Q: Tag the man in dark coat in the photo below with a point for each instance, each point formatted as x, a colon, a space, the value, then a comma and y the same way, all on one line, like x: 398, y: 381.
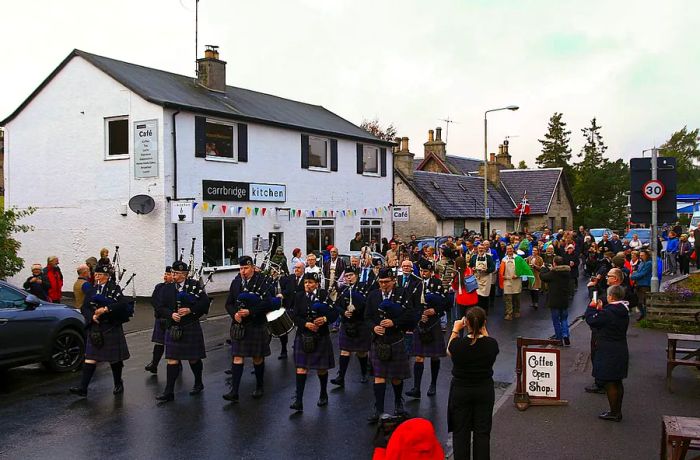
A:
x: 105, y: 310
x: 159, y: 324
x: 612, y: 355
x: 333, y: 269
x: 183, y: 302
x: 572, y: 259
x: 290, y: 285
x: 251, y: 296
x: 558, y: 280
x: 38, y: 283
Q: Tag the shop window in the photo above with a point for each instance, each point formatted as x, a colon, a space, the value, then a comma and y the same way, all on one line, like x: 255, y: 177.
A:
x: 459, y: 226
x: 223, y: 242
x: 219, y: 140
x: 117, y: 137
x: 371, y: 230
x: 320, y: 233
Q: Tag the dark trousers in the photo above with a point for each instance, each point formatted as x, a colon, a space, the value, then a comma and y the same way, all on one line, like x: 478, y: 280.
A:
x: 684, y: 262
x: 470, y: 413
x: 697, y: 256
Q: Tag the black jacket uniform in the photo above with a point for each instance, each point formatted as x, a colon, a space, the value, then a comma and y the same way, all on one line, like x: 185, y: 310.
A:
x: 304, y: 312
x: 405, y: 321
x: 170, y: 294
x: 257, y: 284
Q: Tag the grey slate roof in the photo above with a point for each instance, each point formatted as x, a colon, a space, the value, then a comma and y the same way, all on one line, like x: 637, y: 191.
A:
x: 452, y: 196
x: 540, y: 185
x: 463, y: 165
x: 181, y: 92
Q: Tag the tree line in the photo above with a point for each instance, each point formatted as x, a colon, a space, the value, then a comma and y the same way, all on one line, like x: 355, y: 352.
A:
x: 600, y: 186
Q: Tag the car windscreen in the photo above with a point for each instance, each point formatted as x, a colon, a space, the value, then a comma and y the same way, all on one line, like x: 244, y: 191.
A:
x: 598, y: 232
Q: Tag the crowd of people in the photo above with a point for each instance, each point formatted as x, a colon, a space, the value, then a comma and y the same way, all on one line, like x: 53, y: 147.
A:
x: 385, y: 311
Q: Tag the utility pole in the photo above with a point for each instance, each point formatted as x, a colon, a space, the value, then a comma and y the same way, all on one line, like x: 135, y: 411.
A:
x: 654, y: 225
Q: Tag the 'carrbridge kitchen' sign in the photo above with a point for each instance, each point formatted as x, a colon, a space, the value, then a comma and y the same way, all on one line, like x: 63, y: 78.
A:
x: 541, y: 373
x: 217, y: 190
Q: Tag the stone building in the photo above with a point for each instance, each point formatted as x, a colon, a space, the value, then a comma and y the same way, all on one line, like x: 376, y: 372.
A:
x: 446, y: 192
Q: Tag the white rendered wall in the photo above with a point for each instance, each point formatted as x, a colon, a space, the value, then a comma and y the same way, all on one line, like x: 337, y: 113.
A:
x: 274, y: 156
x: 54, y: 161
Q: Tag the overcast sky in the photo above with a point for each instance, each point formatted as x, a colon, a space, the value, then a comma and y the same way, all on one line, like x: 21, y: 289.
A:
x: 631, y: 64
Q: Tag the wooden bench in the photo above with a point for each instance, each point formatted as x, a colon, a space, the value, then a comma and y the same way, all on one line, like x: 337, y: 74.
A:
x: 678, y: 435
x: 690, y: 356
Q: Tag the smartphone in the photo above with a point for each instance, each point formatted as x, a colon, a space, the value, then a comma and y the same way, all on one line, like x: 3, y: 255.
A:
x: 595, y: 297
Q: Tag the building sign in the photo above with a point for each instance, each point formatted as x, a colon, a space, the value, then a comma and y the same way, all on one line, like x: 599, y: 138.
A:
x: 146, y: 149
x: 217, y: 190
x: 541, y: 373
x: 401, y: 213
x: 181, y: 212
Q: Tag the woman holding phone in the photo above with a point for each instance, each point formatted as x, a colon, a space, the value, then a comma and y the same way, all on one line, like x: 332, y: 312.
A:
x: 472, y: 396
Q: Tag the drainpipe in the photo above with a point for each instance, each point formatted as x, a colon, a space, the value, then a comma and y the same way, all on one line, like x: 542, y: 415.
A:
x: 174, y: 133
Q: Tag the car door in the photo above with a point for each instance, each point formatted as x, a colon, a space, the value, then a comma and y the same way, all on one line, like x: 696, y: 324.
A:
x: 21, y: 327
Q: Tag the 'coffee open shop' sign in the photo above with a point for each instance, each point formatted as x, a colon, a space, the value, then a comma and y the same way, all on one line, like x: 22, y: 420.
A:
x: 541, y: 373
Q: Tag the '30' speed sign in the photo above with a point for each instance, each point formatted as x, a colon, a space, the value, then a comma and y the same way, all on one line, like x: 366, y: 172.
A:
x: 653, y: 190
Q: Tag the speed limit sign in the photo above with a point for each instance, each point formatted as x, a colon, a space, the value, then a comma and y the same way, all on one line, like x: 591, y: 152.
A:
x: 653, y: 190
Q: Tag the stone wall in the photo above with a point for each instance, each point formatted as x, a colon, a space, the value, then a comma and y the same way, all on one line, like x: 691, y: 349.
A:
x: 422, y: 221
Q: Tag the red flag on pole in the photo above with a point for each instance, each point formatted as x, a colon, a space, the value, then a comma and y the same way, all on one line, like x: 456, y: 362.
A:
x: 523, y: 207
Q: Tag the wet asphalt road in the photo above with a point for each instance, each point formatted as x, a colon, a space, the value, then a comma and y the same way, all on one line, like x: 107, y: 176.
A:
x: 39, y: 419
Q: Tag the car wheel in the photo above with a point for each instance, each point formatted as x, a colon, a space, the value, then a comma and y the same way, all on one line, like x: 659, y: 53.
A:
x: 67, y: 351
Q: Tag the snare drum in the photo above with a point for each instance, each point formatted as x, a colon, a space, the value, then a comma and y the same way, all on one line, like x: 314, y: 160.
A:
x: 279, y: 322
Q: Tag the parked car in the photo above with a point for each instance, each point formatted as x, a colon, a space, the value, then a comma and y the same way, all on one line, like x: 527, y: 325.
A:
x: 597, y: 233
x: 375, y: 256
x: 33, y: 330
x: 694, y: 222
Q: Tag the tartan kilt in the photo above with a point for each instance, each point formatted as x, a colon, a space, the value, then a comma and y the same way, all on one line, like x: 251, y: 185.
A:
x: 361, y: 343
x: 114, y: 349
x: 321, y: 359
x: 189, y: 347
x: 255, y: 343
x: 397, y: 367
x: 434, y: 349
x: 158, y: 335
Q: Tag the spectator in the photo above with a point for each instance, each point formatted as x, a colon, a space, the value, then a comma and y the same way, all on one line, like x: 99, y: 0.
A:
x: 635, y: 243
x: 356, y: 243
x: 642, y: 282
x: 684, y: 251
x: 38, y: 283
x: 612, y: 356
x: 463, y: 298
x: 296, y: 257
x: 558, y: 278
x: 311, y: 264
x: 696, y: 236
x: 572, y: 260
x: 81, y: 285
x: 483, y: 265
x: 412, y: 439
x: 385, y: 246
x: 392, y: 255
x: 280, y: 259
x: 536, y: 263
x: 55, y: 277
x: 615, y: 243
x: 672, y: 253
x: 510, y: 272
x: 91, y: 262
x: 471, y: 399
x: 104, y: 258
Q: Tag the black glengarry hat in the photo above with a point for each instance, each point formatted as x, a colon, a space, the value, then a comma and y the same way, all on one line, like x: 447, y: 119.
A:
x: 385, y: 273
x: 245, y: 260
x: 312, y: 276
x: 425, y: 264
x: 180, y: 266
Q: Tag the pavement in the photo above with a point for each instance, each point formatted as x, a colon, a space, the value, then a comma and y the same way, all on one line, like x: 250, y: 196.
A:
x: 40, y: 420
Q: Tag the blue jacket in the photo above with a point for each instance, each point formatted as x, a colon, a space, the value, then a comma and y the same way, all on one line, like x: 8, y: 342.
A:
x: 672, y: 246
x: 642, y: 275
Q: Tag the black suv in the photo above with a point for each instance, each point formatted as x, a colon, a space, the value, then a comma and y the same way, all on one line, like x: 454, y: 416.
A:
x: 32, y: 330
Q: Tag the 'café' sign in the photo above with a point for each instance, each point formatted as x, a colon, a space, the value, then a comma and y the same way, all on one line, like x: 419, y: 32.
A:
x: 541, y: 373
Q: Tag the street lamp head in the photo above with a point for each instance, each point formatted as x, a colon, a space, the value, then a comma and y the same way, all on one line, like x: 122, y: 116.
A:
x: 512, y: 107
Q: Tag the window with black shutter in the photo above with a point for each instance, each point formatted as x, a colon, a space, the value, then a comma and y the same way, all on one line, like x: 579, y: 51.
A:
x: 382, y: 161
x: 220, y: 140
x: 319, y: 153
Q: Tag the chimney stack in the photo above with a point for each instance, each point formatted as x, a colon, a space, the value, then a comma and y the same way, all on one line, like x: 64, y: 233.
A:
x: 403, y: 160
x: 503, y: 158
x: 211, y: 72
x: 435, y: 146
x: 494, y: 171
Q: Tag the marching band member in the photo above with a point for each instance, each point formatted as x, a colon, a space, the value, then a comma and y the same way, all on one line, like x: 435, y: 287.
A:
x: 313, y: 348
x: 290, y: 285
x: 158, y: 336
x: 183, y: 302
x: 251, y: 296
x: 105, y: 310
x: 428, y: 339
x: 354, y: 335
x: 390, y: 312
x: 333, y: 269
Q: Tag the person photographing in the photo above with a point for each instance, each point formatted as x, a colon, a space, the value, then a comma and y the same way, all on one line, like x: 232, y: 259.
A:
x: 471, y: 399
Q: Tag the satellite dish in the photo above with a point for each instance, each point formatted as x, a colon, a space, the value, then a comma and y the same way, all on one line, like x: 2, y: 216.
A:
x: 142, y: 204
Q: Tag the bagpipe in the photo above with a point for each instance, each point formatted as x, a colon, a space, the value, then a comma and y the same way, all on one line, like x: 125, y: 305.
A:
x: 256, y: 297
x: 113, y: 293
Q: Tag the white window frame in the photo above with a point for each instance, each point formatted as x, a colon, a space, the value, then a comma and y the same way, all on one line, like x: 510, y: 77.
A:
x: 378, y: 153
x: 370, y: 224
x: 107, y: 156
x: 320, y: 226
x: 223, y: 248
x: 234, y: 145
x: 328, y: 154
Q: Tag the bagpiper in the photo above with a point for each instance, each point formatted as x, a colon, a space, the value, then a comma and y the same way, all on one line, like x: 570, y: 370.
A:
x: 158, y: 335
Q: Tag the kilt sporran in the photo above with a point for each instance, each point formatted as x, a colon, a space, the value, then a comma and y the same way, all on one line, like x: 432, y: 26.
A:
x: 237, y: 331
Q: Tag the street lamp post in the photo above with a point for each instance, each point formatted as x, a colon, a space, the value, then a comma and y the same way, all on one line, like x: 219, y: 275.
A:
x: 486, y: 166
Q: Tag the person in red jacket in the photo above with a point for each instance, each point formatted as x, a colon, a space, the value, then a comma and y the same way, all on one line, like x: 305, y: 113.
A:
x: 53, y: 273
x: 412, y: 439
x: 463, y: 298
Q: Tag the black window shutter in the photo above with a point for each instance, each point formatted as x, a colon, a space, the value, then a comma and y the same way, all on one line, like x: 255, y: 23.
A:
x: 305, y: 151
x: 360, y: 159
x: 242, y: 142
x: 200, y: 139
x: 334, y: 154
x: 382, y: 159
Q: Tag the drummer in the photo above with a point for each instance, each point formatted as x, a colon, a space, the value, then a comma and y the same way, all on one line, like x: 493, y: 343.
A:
x: 289, y: 286
x: 355, y: 335
x: 250, y: 298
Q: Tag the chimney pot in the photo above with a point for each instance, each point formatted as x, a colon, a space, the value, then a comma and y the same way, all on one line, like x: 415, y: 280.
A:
x: 430, y: 135
x: 438, y: 133
x: 492, y: 158
x: 404, y: 144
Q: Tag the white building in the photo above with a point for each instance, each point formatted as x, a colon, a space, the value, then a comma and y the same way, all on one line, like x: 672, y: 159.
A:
x: 98, y: 132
